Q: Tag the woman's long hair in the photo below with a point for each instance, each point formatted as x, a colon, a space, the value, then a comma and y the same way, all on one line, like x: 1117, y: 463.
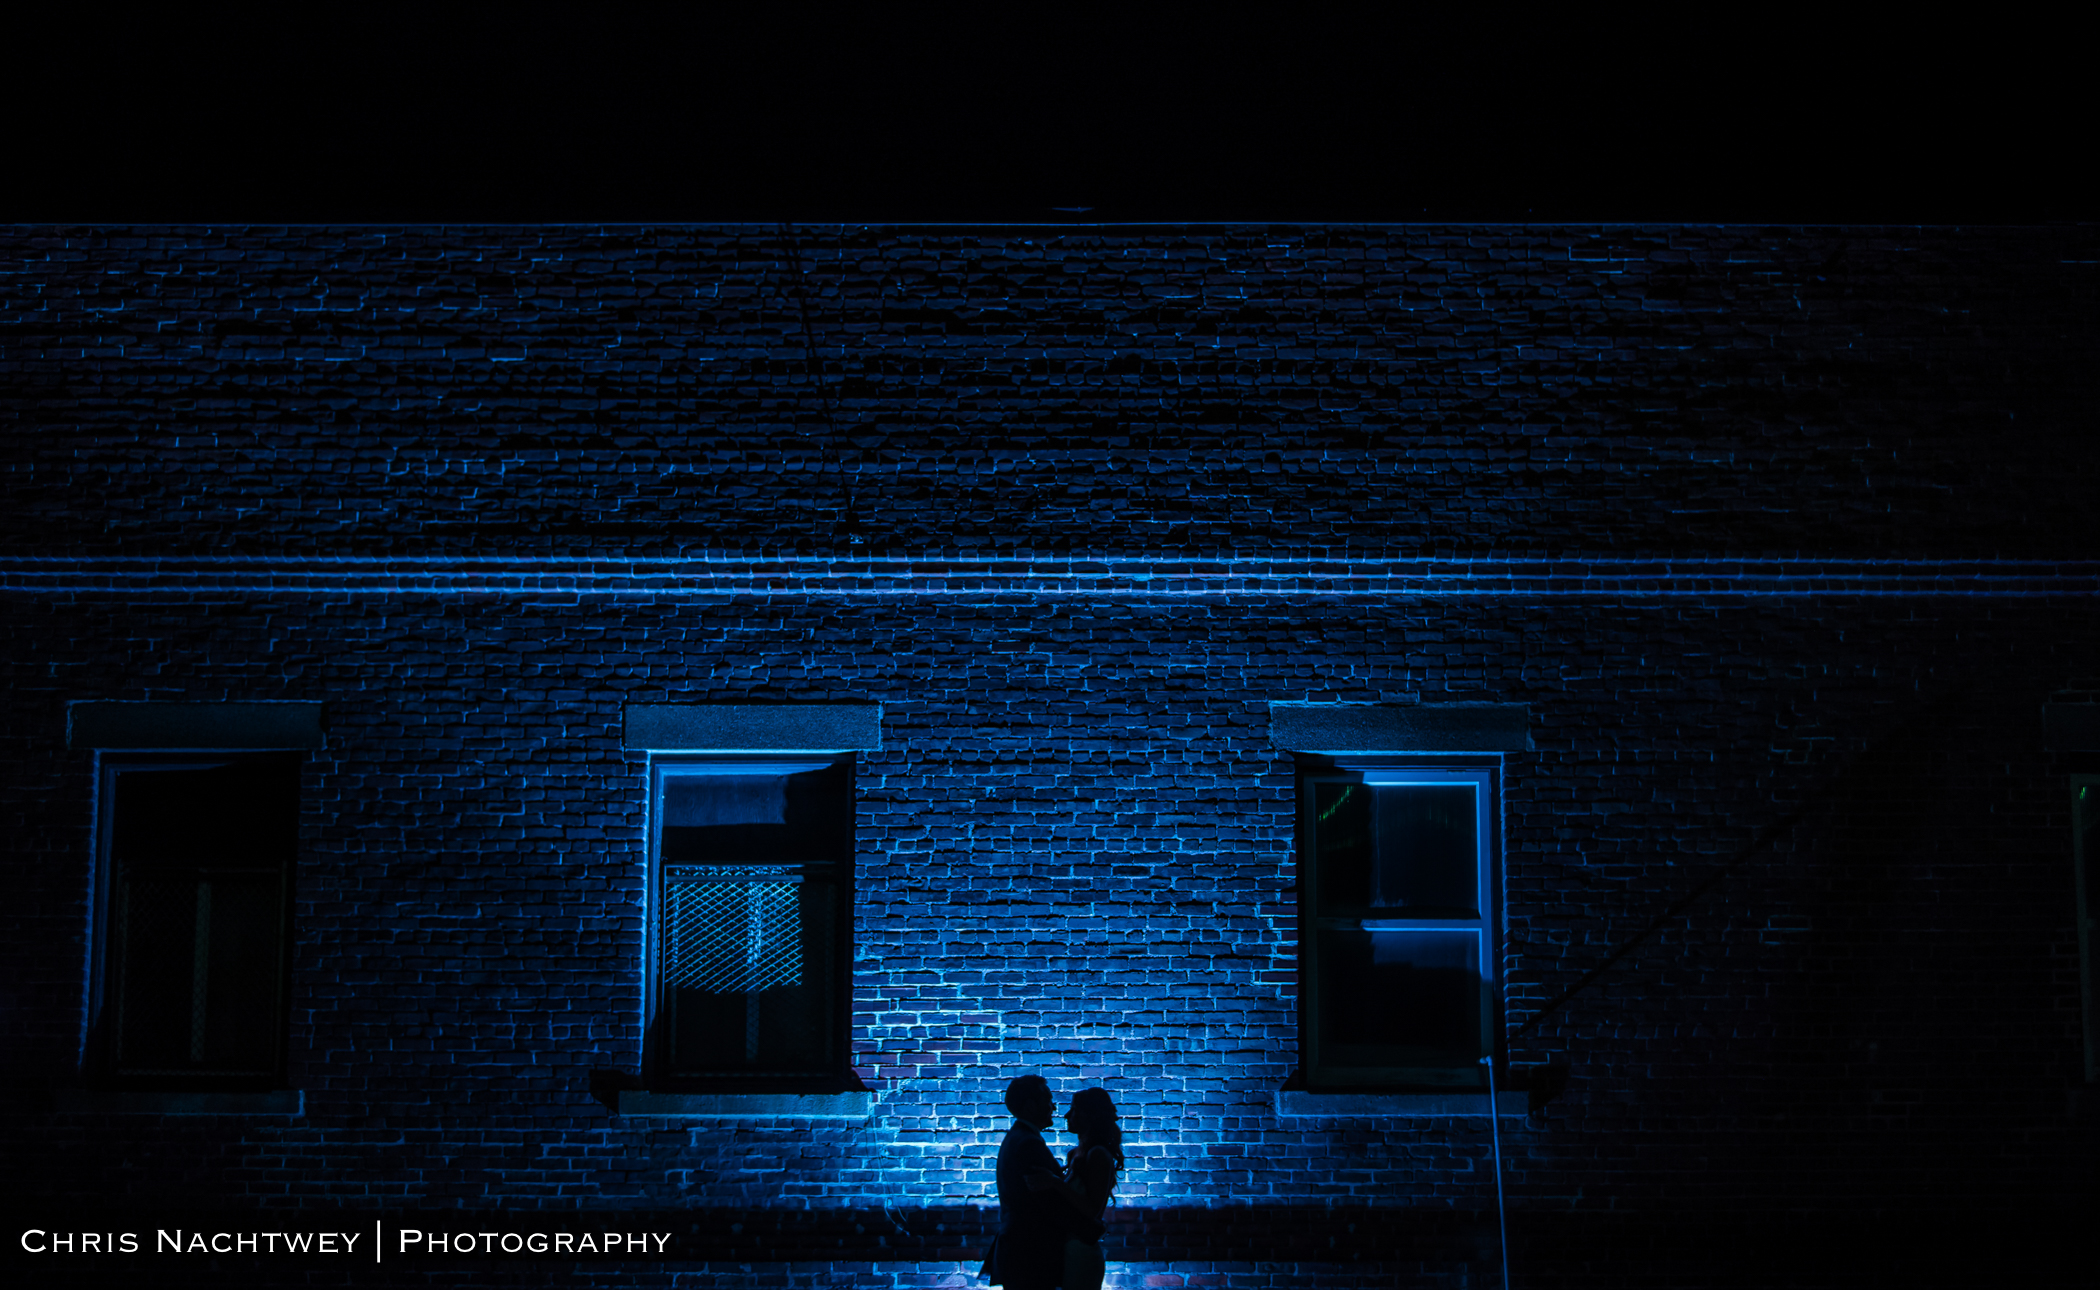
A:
x: 1096, y: 1113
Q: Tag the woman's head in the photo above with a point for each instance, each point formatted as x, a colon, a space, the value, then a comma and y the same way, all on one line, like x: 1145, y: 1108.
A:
x: 1093, y: 1120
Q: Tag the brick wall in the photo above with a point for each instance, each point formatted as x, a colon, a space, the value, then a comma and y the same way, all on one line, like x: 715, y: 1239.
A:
x: 1763, y: 525
x: 1715, y: 390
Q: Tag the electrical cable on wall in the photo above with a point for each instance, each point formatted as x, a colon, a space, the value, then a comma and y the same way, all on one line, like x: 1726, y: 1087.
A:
x: 1768, y: 835
x: 1495, y: 1135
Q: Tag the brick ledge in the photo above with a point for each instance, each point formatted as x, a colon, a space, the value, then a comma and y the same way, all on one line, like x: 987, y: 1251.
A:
x: 748, y: 1106
x: 1292, y: 1104
x: 281, y: 1101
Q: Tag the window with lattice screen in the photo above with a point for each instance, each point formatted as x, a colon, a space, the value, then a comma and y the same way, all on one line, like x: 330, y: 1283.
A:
x: 753, y: 865
x: 195, y: 895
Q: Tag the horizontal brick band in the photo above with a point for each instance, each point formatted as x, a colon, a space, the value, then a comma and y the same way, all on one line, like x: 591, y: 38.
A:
x: 743, y: 1106
x: 703, y: 578
x: 1294, y: 1104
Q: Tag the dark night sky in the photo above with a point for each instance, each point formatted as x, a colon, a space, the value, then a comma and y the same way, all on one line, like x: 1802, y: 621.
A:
x: 375, y: 115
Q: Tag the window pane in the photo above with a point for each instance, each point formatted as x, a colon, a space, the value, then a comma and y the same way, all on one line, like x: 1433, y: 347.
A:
x: 729, y: 937
x: 699, y: 801
x: 723, y: 819
x: 157, y: 924
x: 244, y: 815
x: 200, y: 860
x: 1399, y: 998
x: 1427, y: 848
x: 243, y: 948
x: 744, y: 1002
x: 1342, y: 847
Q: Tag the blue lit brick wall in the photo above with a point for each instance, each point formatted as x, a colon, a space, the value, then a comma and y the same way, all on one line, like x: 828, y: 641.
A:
x: 1075, y: 846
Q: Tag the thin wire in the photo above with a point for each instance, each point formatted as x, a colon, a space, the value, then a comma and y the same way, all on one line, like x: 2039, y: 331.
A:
x: 1897, y: 737
x: 1495, y: 1131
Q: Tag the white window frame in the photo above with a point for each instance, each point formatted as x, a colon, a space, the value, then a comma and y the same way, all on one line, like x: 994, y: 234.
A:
x: 1485, y: 774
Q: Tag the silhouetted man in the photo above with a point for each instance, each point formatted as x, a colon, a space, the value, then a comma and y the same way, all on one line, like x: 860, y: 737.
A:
x: 1030, y: 1251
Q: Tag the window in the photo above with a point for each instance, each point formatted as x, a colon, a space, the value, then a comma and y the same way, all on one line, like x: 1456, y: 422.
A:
x: 194, y: 899
x: 1398, y: 929
x: 2085, y: 852
x: 752, y: 923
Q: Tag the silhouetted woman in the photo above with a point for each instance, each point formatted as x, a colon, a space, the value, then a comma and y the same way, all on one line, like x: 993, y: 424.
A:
x: 1088, y: 1182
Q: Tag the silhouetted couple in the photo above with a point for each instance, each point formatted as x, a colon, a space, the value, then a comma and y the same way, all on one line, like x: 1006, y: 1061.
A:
x: 1050, y: 1218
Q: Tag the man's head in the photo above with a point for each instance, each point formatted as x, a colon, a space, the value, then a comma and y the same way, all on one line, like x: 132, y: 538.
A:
x: 1028, y: 1097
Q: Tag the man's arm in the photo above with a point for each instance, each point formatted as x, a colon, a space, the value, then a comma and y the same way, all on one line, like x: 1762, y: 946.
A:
x: 1054, y: 1182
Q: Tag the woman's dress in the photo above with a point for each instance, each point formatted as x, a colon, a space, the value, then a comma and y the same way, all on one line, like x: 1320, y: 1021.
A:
x: 1095, y: 1175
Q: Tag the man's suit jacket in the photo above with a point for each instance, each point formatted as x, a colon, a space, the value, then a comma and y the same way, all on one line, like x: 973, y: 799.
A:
x: 1030, y: 1254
